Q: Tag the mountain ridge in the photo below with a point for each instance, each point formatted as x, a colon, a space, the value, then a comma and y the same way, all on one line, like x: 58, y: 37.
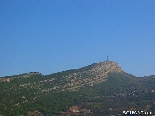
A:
x: 102, y: 84
x: 92, y: 74
x: 31, y: 73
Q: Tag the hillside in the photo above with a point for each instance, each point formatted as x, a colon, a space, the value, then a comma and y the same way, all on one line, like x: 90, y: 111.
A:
x: 97, y: 89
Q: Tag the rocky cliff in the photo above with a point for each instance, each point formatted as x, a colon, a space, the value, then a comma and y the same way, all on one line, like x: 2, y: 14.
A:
x: 90, y: 75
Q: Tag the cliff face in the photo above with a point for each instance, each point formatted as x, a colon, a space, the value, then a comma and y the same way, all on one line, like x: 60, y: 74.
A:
x: 107, y: 66
x: 92, y: 74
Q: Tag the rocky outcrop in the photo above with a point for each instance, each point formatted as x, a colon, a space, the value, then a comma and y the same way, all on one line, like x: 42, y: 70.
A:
x: 89, y: 76
x: 24, y: 75
x: 108, y: 66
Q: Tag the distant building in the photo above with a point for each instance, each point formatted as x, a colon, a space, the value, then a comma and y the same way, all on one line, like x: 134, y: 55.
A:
x: 74, y: 109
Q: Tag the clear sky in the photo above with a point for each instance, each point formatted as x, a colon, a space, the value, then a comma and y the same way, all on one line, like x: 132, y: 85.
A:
x: 50, y: 36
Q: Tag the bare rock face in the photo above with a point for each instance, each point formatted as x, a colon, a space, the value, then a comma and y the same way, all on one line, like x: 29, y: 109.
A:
x: 108, y: 66
x: 92, y: 74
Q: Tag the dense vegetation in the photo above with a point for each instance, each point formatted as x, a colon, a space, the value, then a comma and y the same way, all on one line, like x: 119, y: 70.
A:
x: 121, y: 91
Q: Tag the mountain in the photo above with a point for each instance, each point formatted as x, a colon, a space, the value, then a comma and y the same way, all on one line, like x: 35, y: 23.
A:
x: 97, y: 89
x: 70, y: 80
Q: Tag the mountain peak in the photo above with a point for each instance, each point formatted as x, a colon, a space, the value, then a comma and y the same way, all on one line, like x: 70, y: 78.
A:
x: 109, y: 66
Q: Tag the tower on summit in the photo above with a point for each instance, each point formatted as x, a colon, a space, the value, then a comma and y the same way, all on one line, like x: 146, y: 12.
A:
x: 107, y: 58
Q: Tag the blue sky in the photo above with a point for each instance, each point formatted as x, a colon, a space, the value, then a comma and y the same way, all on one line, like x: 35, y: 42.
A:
x: 50, y: 36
